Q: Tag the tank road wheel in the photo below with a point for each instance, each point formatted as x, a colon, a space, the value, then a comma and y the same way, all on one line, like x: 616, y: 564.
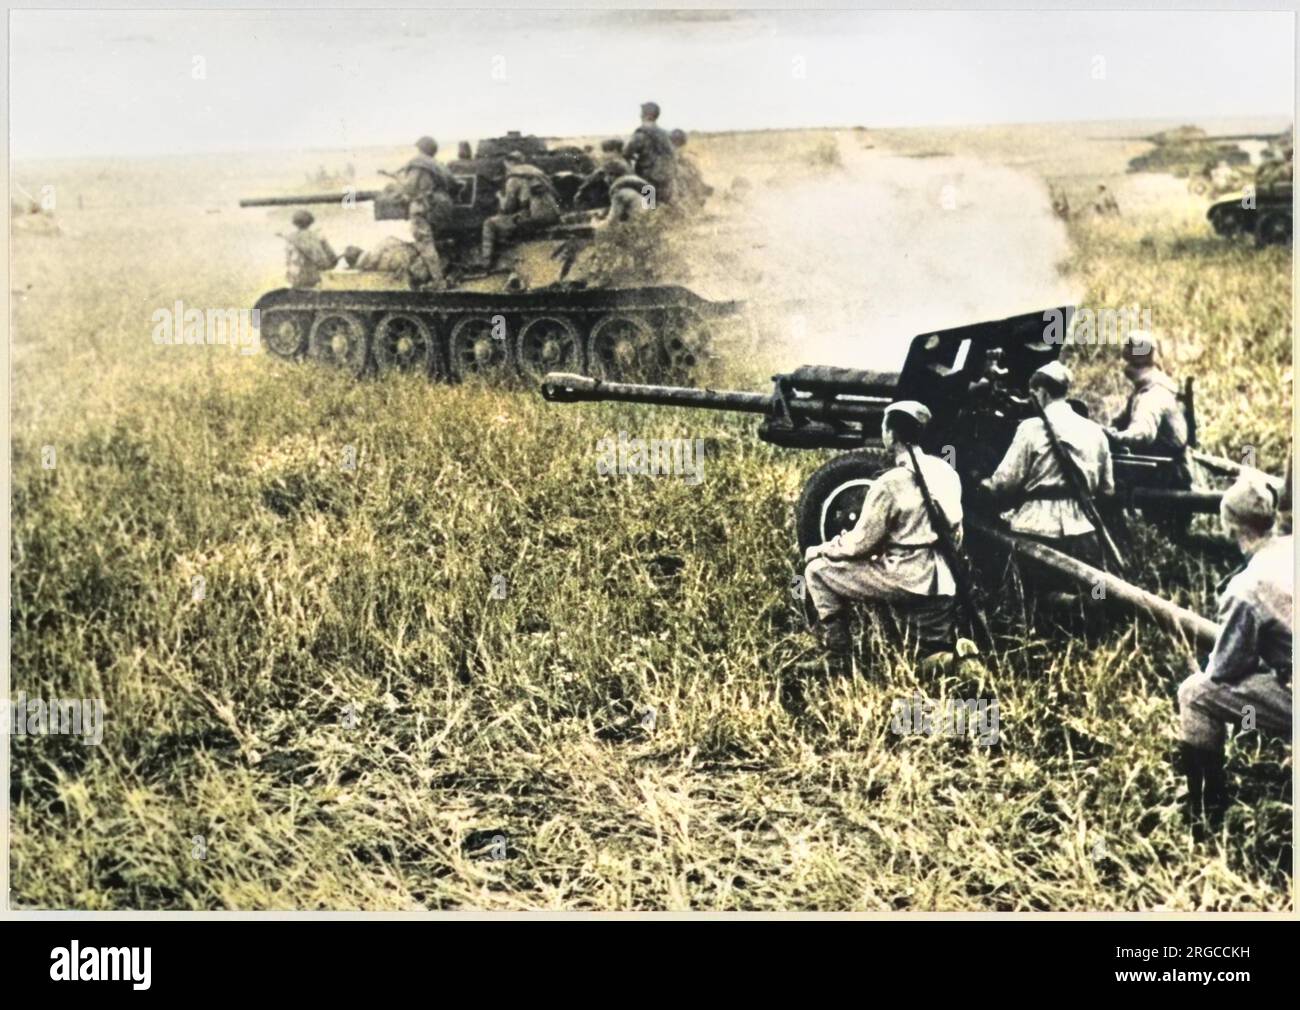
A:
x: 1273, y: 229
x: 832, y: 497
x: 340, y: 338
x: 548, y: 344
x: 477, y: 349
x: 404, y: 343
x: 622, y: 348
x: 285, y: 333
x: 686, y: 343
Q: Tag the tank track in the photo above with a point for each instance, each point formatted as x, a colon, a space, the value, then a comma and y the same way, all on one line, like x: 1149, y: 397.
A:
x: 643, y: 334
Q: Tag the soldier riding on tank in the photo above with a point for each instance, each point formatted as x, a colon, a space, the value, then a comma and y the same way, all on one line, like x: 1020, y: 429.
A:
x: 529, y: 204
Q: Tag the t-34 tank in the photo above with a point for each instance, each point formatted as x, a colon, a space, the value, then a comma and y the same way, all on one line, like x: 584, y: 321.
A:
x: 525, y: 319
x: 1262, y: 210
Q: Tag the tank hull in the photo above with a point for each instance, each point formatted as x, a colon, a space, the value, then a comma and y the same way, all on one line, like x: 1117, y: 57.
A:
x: 634, y: 333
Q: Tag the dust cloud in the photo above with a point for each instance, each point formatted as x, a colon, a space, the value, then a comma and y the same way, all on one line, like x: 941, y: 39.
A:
x: 846, y: 259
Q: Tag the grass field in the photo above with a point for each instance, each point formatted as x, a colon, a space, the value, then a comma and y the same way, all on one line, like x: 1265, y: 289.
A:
x: 352, y: 717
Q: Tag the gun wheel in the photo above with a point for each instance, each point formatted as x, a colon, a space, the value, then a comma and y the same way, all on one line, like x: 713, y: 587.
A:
x: 340, y: 339
x: 404, y: 343
x: 285, y: 333
x: 548, y: 344
x: 476, y: 349
x: 832, y: 498
x: 622, y: 348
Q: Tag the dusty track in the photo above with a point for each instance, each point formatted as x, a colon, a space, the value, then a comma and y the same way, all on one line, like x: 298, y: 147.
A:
x: 851, y: 260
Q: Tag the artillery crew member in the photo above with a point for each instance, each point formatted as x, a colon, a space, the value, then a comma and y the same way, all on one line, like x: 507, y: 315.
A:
x: 428, y: 186
x: 529, y: 203
x: 1030, y: 476
x: 1247, y: 680
x: 650, y: 153
x: 308, y: 252
x: 890, y: 555
x: 1153, y: 420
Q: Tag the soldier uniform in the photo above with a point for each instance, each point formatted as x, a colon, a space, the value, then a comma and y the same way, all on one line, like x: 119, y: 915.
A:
x: 1046, y: 509
x: 429, y: 187
x: 627, y: 197
x: 651, y: 155
x: 690, y: 189
x: 1153, y: 420
x: 889, y: 556
x: 308, y: 253
x: 1247, y: 680
x: 595, y: 188
x: 529, y: 203
x: 393, y: 256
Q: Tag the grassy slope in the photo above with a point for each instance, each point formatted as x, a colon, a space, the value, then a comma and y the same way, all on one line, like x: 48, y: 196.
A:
x: 754, y: 788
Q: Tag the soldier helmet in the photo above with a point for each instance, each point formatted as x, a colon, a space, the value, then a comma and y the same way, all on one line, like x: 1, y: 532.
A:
x: 678, y: 137
x: 1054, y: 377
x: 1249, y: 502
x: 302, y: 219
x: 906, y: 421
x: 1140, y: 348
x: 615, y: 167
x: 649, y: 110
x: 914, y: 409
x: 427, y: 146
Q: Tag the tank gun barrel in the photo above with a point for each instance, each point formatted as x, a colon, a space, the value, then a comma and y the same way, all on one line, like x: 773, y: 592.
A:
x: 353, y: 196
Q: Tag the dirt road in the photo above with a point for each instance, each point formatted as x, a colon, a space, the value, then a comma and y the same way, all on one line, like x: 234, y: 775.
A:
x: 878, y: 247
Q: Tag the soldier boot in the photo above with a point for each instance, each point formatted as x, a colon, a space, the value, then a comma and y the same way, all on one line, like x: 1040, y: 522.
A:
x: 1207, y: 788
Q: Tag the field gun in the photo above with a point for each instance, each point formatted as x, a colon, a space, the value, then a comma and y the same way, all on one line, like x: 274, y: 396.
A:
x: 973, y: 380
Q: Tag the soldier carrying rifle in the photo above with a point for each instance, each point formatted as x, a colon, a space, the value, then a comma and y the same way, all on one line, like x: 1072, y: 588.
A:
x: 1057, y: 463
x: 892, y: 555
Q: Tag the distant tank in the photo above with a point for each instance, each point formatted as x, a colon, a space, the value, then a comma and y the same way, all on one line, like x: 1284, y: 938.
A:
x: 1185, y: 151
x: 524, y: 320
x: 1262, y: 210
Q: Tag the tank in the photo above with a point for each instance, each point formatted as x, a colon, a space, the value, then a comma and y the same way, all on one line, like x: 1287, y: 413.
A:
x: 521, y: 321
x: 1262, y: 210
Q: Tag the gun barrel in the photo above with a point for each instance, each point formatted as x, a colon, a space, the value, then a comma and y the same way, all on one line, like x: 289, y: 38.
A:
x: 356, y: 196
x: 562, y: 387
x: 865, y: 409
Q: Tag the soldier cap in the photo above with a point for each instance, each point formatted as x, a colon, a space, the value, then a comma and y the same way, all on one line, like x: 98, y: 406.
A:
x: 1250, y: 500
x: 427, y: 146
x: 1140, y: 348
x: 302, y: 219
x: 1056, y: 373
x: 678, y: 137
x: 650, y: 110
x: 914, y: 409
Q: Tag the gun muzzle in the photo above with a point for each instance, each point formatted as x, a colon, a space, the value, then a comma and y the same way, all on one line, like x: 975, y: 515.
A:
x: 565, y: 387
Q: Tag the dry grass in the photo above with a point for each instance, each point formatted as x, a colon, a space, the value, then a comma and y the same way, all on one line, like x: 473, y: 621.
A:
x: 329, y: 593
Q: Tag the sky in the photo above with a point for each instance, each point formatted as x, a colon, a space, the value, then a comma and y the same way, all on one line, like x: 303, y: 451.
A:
x: 150, y: 83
